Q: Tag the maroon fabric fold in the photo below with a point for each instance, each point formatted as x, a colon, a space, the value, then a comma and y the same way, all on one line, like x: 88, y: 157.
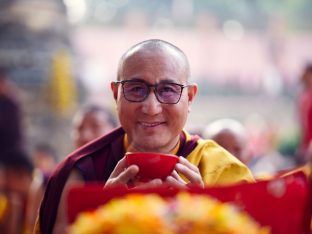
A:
x: 95, y: 162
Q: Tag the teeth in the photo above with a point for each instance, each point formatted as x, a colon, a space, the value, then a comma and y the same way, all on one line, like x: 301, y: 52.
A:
x: 149, y: 124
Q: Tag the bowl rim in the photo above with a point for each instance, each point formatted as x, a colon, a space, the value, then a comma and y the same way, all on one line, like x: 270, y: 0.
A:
x: 152, y: 153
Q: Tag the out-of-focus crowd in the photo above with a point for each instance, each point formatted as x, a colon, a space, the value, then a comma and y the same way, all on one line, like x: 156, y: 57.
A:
x: 24, y: 173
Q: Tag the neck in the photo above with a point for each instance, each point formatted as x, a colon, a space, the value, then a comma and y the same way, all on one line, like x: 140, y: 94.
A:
x: 171, y: 148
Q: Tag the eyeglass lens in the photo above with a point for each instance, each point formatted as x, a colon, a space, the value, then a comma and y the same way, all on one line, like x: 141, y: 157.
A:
x: 138, y: 91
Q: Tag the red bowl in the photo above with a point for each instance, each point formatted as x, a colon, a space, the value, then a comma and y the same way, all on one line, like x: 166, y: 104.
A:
x: 152, y: 165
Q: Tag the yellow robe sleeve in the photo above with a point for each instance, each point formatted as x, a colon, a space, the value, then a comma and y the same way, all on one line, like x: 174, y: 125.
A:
x: 217, y: 166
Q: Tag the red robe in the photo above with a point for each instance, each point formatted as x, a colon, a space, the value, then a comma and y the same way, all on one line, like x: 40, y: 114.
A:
x: 305, y: 112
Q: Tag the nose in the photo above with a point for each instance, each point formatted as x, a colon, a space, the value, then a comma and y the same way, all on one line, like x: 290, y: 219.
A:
x: 151, y: 106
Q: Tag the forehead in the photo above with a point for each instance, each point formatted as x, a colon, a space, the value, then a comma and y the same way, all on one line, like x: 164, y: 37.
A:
x: 230, y: 137
x: 90, y: 117
x: 154, y: 64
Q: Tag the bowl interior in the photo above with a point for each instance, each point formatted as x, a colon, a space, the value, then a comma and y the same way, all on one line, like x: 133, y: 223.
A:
x: 152, y: 165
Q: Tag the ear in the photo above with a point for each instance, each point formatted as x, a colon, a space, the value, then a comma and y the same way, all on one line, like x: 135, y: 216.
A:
x: 114, y: 88
x: 192, y: 90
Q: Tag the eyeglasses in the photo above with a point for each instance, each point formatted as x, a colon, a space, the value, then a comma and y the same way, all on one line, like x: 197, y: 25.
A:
x: 138, y: 91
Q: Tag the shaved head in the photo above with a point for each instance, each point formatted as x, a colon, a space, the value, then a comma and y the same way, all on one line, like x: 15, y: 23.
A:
x: 155, y: 46
x: 150, y: 124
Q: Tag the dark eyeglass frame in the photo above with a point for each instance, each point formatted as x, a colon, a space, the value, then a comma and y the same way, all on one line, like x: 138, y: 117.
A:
x: 149, y: 86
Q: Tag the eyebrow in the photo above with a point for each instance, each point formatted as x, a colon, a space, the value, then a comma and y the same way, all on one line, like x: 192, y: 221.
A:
x: 162, y: 81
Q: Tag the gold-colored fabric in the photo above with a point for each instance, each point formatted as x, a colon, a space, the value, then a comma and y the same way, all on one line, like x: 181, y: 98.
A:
x: 306, y: 169
x: 37, y: 226
x: 217, y: 166
x: 3, y: 206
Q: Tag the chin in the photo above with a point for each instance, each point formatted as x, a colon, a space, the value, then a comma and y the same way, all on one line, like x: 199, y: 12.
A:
x: 151, y: 145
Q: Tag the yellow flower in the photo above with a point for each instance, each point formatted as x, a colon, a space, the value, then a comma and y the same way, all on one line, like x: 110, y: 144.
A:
x: 183, y: 214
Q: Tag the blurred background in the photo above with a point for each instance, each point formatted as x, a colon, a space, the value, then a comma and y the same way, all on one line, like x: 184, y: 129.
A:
x: 247, y: 57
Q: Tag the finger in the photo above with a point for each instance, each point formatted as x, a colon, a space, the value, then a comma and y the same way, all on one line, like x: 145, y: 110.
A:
x: 185, y: 162
x: 193, y: 176
x: 120, y: 167
x: 173, y: 182
x: 123, y: 178
x: 127, y: 174
x: 151, y: 184
x: 175, y: 175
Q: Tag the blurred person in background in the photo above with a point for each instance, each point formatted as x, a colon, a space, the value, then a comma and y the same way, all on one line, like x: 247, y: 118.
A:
x: 153, y: 96
x: 306, y: 168
x: 91, y: 122
x: 231, y: 135
x: 267, y: 160
x: 45, y: 161
x: 17, y: 166
x: 3, y: 197
x: 11, y: 136
x: 305, y: 113
x: 18, y: 171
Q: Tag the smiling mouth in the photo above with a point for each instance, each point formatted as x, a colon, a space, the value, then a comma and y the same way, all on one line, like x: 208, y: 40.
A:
x: 144, y: 124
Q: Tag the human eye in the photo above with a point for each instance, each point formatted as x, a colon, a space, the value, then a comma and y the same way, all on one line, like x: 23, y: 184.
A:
x: 135, y: 88
x: 168, y: 89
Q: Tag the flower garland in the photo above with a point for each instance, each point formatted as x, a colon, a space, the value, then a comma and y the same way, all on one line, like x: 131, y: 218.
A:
x: 185, y: 213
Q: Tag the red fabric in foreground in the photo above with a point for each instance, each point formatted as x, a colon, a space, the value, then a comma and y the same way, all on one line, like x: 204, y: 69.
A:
x: 284, y: 204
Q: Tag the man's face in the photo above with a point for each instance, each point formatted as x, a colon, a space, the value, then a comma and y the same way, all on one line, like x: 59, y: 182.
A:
x: 18, y: 181
x: 90, y: 126
x: 233, y: 143
x: 151, y: 125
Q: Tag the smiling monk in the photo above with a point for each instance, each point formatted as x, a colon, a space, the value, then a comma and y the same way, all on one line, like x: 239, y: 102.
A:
x: 153, y: 94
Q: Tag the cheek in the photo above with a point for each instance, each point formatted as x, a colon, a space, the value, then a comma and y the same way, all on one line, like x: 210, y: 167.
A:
x: 75, y: 135
x: 183, y: 108
x: 100, y: 131
x: 177, y: 115
x: 126, y: 112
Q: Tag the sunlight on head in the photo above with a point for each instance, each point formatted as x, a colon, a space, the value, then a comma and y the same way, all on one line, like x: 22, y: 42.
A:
x: 225, y: 124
